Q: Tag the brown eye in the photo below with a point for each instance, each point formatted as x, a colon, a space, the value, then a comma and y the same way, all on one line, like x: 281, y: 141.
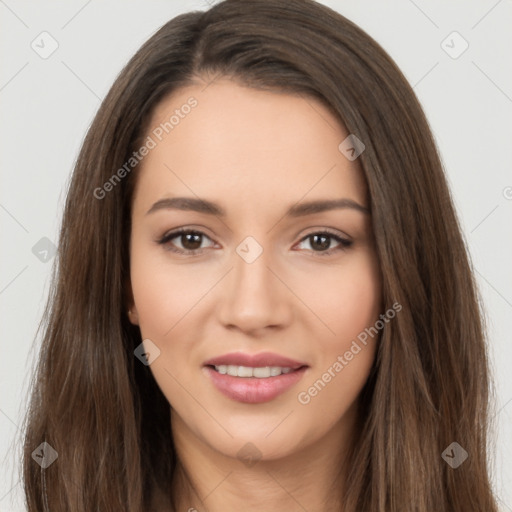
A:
x: 191, y: 241
x: 320, y: 242
x: 184, y: 241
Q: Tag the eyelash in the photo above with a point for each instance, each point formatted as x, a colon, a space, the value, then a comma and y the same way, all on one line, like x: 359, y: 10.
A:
x: 344, y: 243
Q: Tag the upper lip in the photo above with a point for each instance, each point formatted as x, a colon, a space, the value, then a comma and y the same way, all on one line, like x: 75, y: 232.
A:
x: 254, y: 360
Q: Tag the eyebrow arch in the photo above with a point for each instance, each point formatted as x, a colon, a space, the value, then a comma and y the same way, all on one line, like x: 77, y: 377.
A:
x: 297, y: 210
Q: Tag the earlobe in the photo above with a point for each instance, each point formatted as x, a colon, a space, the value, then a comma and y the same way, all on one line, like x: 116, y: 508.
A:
x: 133, y: 316
x: 131, y: 310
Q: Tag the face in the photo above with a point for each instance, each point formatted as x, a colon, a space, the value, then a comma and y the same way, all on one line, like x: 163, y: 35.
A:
x: 256, y: 278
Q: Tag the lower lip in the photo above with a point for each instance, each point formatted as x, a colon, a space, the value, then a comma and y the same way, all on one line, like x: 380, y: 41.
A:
x: 253, y: 390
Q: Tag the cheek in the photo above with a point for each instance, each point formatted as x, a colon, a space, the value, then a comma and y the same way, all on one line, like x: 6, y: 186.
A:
x: 346, y: 299
x: 349, y: 303
x: 162, y: 295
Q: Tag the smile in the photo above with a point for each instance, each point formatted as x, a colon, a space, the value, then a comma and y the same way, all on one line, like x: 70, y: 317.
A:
x: 248, y: 371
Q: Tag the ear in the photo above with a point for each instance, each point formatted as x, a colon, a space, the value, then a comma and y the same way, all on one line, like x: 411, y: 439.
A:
x: 133, y: 315
x: 129, y: 302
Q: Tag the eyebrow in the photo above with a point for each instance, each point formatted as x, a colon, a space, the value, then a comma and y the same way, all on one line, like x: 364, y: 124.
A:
x: 296, y: 210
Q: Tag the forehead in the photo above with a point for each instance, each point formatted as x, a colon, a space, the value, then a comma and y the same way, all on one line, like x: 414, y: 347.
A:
x: 246, y: 145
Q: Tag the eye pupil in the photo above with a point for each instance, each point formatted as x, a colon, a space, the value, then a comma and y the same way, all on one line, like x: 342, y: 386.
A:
x: 191, y: 239
x: 323, y: 245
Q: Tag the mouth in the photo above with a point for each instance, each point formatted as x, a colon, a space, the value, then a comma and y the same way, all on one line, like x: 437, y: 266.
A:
x: 253, y: 385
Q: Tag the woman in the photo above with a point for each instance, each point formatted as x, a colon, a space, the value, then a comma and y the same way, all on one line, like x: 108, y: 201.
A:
x: 263, y: 298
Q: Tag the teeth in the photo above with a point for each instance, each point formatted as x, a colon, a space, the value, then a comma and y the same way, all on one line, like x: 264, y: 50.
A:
x: 247, y: 371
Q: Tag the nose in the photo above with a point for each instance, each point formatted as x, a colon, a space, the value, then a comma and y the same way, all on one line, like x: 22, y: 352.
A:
x: 254, y: 297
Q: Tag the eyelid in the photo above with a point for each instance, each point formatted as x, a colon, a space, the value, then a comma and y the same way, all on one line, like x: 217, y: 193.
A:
x: 330, y: 231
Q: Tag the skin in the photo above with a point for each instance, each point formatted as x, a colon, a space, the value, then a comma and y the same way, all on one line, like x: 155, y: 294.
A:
x: 255, y: 153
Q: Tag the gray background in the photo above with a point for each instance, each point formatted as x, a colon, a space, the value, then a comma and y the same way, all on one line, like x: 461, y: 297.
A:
x: 47, y: 105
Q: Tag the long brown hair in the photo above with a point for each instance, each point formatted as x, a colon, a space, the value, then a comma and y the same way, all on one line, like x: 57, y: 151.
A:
x: 100, y: 409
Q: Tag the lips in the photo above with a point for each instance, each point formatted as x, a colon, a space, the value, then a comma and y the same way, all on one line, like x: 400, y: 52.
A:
x: 253, y: 390
x: 255, y: 360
